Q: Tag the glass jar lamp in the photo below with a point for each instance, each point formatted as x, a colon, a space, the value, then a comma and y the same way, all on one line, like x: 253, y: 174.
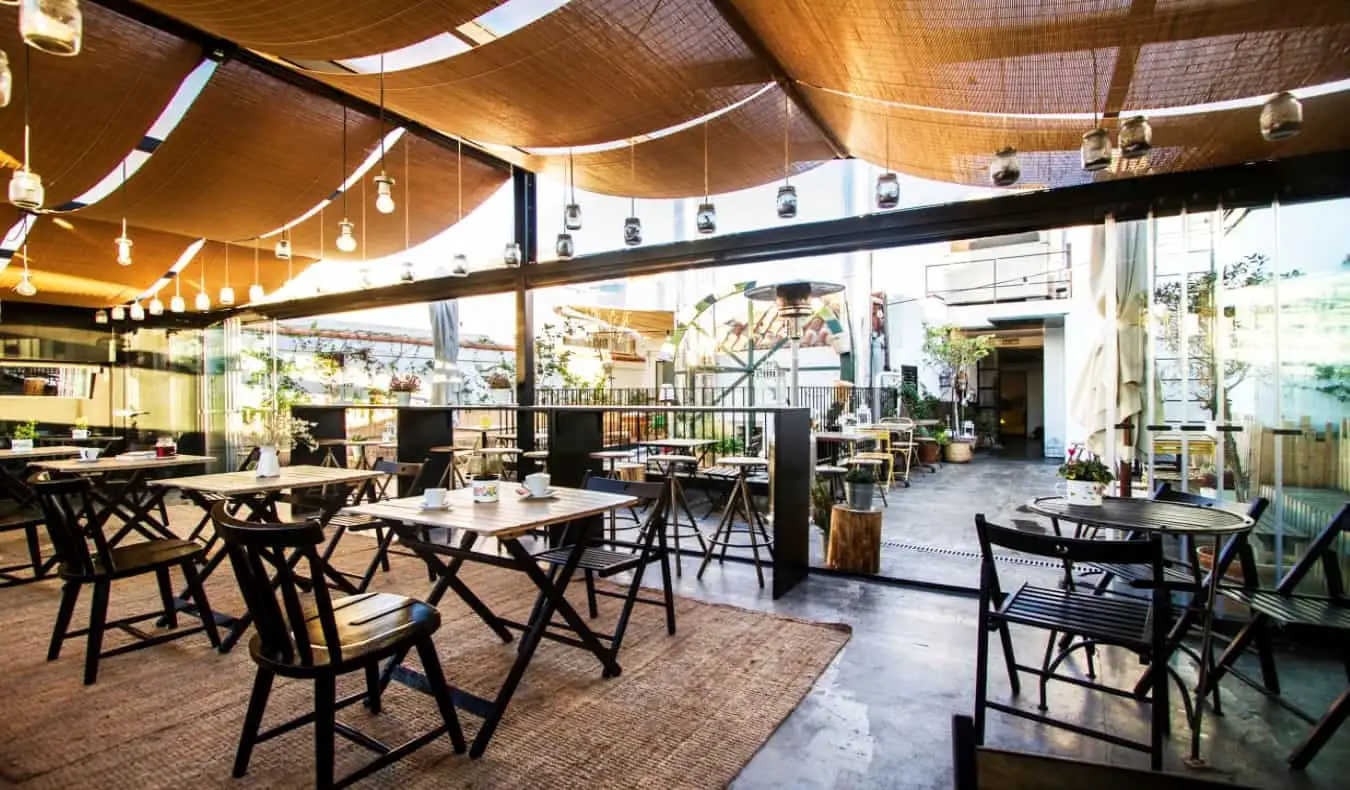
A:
x: 1096, y: 150
x: 888, y: 191
x: 563, y: 247
x: 706, y: 218
x: 787, y: 201
x: 1136, y: 137
x: 1006, y: 169
x: 52, y: 26
x: 1281, y: 117
x: 632, y: 231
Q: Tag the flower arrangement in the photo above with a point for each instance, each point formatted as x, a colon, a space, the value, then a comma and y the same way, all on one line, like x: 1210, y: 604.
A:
x: 1085, y: 466
x: 499, y: 380
x: 408, y: 383
x: 281, y: 430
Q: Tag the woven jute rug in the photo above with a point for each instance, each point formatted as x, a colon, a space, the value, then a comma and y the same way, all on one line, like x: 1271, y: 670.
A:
x: 688, y: 711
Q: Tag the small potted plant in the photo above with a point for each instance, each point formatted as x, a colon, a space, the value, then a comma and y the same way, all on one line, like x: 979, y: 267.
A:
x: 24, y: 434
x: 276, y: 432
x: 859, y: 486
x: 822, y: 503
x: 81, y: 429
x: 1085, y: 477
x: 955, y: 450
x: 500, y: 384
x: 403, y: 387
x: 929, y: 452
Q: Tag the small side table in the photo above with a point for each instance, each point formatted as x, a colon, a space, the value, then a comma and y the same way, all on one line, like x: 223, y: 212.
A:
x: 855, y: 540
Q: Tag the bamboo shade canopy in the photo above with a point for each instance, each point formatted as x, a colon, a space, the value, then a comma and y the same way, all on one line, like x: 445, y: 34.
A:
x: 251, y: 154
x: 429, y: 209
x: 1029, y: 57
x: 324, y: 29
x: 957, y: 148
x: 745, y: 149
x: 593, y: 71
x: 89, y: 112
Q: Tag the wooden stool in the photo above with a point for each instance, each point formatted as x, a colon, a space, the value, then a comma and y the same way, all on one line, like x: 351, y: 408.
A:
x: 668, y: 466
x: 611, y: 459
x: 740, y: 499
x: 328, y: 444
x: 872, y: 462
x: 855, y: 540
x: 538, y: 456
x: 499, y: 453
x: 452, y: 474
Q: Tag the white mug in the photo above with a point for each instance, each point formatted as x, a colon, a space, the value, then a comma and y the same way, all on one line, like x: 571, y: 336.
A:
x: 537, y: 483
x: 433, y: 497
x: 89, y: 453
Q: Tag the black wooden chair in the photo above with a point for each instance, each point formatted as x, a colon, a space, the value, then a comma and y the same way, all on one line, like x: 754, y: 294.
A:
x: 207, y: 499
x: 1133, y: 624
x: 1284, y: 605
x: 68, y: 509
x: 342, y: 523
x: 322, y: 638
x: 606, y: 558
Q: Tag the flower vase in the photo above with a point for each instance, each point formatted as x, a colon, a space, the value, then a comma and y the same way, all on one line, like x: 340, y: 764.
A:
x: 79, y: 433
x: 1087, y: 493
x: 403, y: 398
x: 269, y: 463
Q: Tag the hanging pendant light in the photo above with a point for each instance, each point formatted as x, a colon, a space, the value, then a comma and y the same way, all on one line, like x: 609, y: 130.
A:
x: 25, y: 285
x: 1005, y: 169
x: 176, y: 304
x: 1136, y: 138
x: 6, y: 80
x: 156, y: 306
x: 52, y: 26
x: 137, y: 312
x: 572, y: 211
x: 283, y: 248
x: 407, y: 276
x: 461, y: 262
x: 384, y: 185
x: 203, y: 302
x: 226, y: 292
x: 705, y: 220
x: 100, y: 316
x: 888, y: 183
x: 255, y: 291
x: 119, y: 313
x: 632, y: 226
x: 1281, y: 117
x: 346, y: 242
x: 563, y: 247
x: 123, y: 242
x: 787, y: 193
x: 460, y: 267
x: 1096, y: 149
x: 25, y: 186
x: 511, y: 255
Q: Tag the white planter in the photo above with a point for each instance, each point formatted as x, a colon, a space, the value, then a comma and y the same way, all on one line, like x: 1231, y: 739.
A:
x: 503, y: 395
x: 79, y: 433
x: 21, y: 444
x: 403, y: 398
x: 1084, y: 492
x: 269, y: 464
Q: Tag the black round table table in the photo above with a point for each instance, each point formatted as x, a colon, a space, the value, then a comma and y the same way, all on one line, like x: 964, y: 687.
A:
x: 1169, y: 518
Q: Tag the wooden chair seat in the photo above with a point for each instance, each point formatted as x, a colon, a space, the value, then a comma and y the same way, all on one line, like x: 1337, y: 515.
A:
x: 354, y: 522
x: 1303, y: 610
x: 370, y: 627
x: 137, y: 558
x: 1111, y: 620
x: 601, y: 561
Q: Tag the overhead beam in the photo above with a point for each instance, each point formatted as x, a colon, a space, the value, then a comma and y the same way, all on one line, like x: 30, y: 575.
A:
x: 738, y: 23
x: 1300, y: 179
x: 220, y: 48
x: 1127, y: 58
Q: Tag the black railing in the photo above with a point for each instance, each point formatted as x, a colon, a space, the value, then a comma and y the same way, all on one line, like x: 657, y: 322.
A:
x: 825, y: 403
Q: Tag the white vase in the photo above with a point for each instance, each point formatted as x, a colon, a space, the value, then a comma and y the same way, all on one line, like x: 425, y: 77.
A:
x: 403, y: 398
x: 1084, y: 492
x: 269, y: 464
x: 21, y: 444
x: 79, y: 433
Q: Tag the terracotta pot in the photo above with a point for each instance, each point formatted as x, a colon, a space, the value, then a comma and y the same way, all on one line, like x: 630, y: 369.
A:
x: 929, y: 453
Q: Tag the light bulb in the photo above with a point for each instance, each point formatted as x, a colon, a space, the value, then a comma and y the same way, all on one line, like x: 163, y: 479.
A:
x: 384, y: 200
x: 407, y: 276
x: 667, y: 352
x: 119, y: 313
x: 888, y: 190
x: 52, y: 26
x: 255, y: 292
x: 226, y: 295
x: 461, y: 266
x: 511, y: 255
x: 100, y: 316
x: 25, y: 190
x: 346, y: 242
x: 6, y: 80
x: 25, y: 286
x: 177, y: 304
x: 156, y: 306
x: 137, y: 312
x: 123, y: 250
x: 283, y: 250
x: 202, y: 302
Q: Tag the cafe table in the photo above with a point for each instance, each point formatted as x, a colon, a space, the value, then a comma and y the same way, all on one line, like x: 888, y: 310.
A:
x: 131, y: 497
x: 13, y: 462
x: 1180, y: 519
x: 428, y: 534
x: 259, y: 496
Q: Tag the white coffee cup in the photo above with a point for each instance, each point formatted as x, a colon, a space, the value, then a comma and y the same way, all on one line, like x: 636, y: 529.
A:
x: 537, y: 483
x: 89, y: 453
x: 433, y: 497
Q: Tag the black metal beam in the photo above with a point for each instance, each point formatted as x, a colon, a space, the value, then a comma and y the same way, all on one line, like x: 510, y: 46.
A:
x: 748, y: 35
x: 525, y: 191
x: 1300, y: 179
x: 222, y: 49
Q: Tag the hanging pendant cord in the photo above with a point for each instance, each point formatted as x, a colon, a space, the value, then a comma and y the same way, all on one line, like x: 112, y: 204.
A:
x: 1096, y: 123
x: 572, y: 175
x: 459, y: 178
x: 124, y: 198
x: 227, y: 265
x: 27, y: 97
x: 363, y: 220
x: 632, y: 176
x: 787, y: 144
x: 256, y: 270
x: 705, y: 161
x: 407, y: 204
x: 888, y: 143
x: 343, y: 182
x: 344, y: 147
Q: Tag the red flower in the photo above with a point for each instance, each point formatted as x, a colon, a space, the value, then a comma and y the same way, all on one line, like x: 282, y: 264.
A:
x: 1072, y: 452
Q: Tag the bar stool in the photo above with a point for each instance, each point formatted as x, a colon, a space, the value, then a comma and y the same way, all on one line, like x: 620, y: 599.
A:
x: 452, y: 474
x: 740, y: 499
x: 669, y: 467
x: 500, y: 454
x: 538, y: 456
x: 871, y: 462
x: 611, y: 459
x: 328, y: 444
x: 834, y: 475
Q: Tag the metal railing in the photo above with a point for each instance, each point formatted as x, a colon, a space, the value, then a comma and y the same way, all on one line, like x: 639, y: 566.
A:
x: 1006, y: 278
x: 821, y: 401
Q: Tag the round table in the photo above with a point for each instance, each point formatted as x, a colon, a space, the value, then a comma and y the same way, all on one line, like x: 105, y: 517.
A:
x: 1169, y: 518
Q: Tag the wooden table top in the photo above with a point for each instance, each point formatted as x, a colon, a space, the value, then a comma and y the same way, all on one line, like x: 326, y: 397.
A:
x: 1173, y: 518
x: 116, y: 463
x: 508, y: 517
x: 241, y: 483
x: 40, y: 452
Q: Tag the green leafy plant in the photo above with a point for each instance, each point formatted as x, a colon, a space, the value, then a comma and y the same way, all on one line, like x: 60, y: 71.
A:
x: 26, y: 430
x: 1083, y: 465
x: 499, y: 380
x: 860, y: 475
x: 952, y: 351
x: 822, y: 502
x: 281, y: 430
x: 405, y: 383
x: 81, y: 424
x: 729, y: 445
x: 943, y: 438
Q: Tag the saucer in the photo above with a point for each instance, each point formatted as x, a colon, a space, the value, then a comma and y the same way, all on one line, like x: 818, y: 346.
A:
x: 442, y: 506
x: 526, y: 496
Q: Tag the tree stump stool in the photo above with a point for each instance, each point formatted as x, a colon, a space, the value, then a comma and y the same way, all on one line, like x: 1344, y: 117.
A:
x: 855, y: 540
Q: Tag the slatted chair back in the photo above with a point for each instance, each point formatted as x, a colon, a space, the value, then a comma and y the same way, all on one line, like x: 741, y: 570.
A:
x: 250, y: 460
x: 400, y: 469
x: 274, y: 599
x: 68, y: 511
x: 1067, y: 550
x: 1322, y: 551
x: 1236, y: 548
x: 649, y: 492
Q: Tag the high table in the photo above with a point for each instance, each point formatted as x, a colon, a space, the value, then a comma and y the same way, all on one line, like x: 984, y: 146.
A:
x: 695, y: 447
x: 131, y: 499
x: 506, y: 521
x: 1169, y: 518
x: 260, y: 495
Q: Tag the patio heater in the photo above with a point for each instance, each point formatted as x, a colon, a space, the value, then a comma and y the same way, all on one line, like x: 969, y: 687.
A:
x: 794, y: 299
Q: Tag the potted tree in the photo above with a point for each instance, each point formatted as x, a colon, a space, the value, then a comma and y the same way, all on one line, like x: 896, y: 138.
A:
x: 859, y: 487
x: 952, y: 353
x: 24, y: 434
x: 1085, y: 477
x: 403, y: 387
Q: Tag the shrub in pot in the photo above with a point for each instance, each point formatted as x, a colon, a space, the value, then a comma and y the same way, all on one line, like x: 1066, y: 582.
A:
x: 929, y: 452
x: 1085, y: 477
x: 859, y: 486
x: 24, y: 434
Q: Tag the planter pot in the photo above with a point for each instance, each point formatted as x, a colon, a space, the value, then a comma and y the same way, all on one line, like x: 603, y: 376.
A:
x: 929, y: 453
x: 79, y: 433
x: 486, y: 488
x: 20, y: 444
x: 957, y: 452
x: 403, y: 398
x: 269, y: 462
x: 859, y: 495
x: 1087, y: 493
x: 501, y: 395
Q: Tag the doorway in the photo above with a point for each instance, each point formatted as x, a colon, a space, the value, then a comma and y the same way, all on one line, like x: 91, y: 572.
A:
x: 1021, y: 405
